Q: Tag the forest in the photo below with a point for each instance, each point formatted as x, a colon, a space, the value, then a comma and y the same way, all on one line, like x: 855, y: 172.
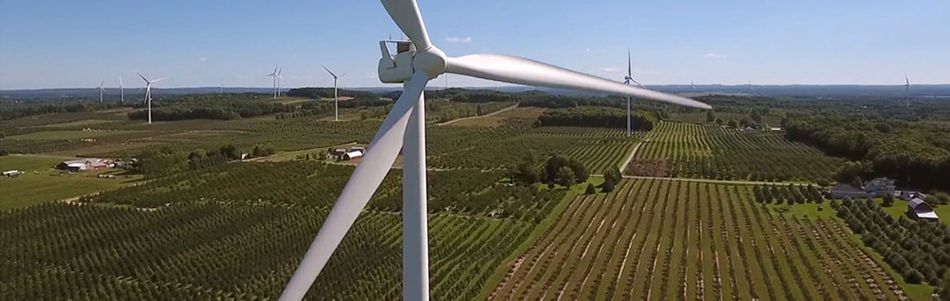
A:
x: 210, y: 106
x: 12, y: 110
x: 641, y: 120
x: 915, y: 154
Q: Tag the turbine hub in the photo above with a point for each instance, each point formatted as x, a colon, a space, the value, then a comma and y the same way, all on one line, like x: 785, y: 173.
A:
x: 431, y: 61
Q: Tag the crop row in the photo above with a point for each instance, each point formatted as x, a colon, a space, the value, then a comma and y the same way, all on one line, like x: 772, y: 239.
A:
x: 214, y: 251
x: 667, y: 239
x: 697, y: 151
x: 491, y: 148
x: 310, y: 183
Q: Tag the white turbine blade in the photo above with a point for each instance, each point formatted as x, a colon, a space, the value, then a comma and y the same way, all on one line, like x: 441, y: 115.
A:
x: 380, y: 156
x: 634, y: 80
x: 532, y: 73
x: 328, y: 70
x: 629, y: 65
x: 158, y: 80
x: 143, y: 77
x: 406, y: 15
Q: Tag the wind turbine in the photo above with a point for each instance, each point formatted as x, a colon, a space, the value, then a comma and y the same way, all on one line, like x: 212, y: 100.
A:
x: 274, y: 75
x: 101, y: 90
x: 148, y: 93
x: 279, y: 76
x: 414, y: 65
x: 906, y: 91
x: 336, y: 97
x: 121, y: 91
x: 627, y: 80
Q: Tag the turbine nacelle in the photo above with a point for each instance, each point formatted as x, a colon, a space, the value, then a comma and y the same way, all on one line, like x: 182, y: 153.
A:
x: 399, y: 68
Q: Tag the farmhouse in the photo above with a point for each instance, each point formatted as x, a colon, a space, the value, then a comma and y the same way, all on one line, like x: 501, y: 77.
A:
x: 841, y: 191
x: 873, y: 188
x: 350, y: 155
x: 879, y: 186
x: 85, y: 164
x: 919, y: 209
x: 908, y: 195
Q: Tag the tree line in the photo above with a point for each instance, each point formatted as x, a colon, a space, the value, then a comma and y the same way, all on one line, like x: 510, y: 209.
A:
x: 914, y: 154
x: 598, y: 117
x: 210, y: 106
x: 10, y: 110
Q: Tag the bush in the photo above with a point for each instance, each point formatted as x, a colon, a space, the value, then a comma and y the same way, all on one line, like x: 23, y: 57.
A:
x: 607, y: 187
x: 590, y: 189
x: 888, y: 200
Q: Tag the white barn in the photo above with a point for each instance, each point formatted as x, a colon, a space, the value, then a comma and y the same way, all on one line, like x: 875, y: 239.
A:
x: 919, y: 209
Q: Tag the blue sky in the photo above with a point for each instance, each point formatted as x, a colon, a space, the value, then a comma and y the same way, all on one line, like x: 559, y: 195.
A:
x: 54, y: 44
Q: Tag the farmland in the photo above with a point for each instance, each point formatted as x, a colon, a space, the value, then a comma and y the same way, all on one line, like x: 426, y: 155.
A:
x: 713, y: 152
x: 41, y: 183
x: 707, y: 211
x: 496, y: 147
x: 242, y: 213
x: 667, y: 239
x: 195, y: 251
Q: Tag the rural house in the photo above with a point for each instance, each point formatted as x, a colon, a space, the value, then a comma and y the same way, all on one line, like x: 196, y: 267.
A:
x: 85, y: 164
x: 841, y: 191
x: 879, y: 186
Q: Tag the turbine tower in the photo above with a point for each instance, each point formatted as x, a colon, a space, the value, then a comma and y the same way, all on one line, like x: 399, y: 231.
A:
x: 101, y: 90
x: 336, y: 97
x: 415, y: 64
x: 906, y: 91
x: 148, y: 93
x: 274, y: 76
x: 627, y: 80
x: 121, y: 91
x: 279, y: 76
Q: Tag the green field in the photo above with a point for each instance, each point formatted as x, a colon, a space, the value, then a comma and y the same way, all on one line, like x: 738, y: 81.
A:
x: 662, y: 239
x: 236, y: 232
x: 712, y: 152
x: 42, y: 183
x: 61, y: 135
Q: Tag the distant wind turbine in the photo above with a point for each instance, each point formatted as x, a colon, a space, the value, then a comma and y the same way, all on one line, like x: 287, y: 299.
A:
x: 101, y: 90
x: 279, y: 77
x: 906, y: 91
x: 274, y: 75
x: 336, y: 97
x: 121, y: 91
x: 148, y: 93
x: 627, y: 80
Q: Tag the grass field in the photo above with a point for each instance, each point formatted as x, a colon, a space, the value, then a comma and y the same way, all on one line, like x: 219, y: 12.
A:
x: 41, y: 183
x: 667, y: 239
x: 698, y: 151
x: 500, y: 119
x: 59, y: 135
x: 899, y: 209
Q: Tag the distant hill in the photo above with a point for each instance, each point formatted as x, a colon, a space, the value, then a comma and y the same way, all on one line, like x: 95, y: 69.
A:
x: 936, y: 91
